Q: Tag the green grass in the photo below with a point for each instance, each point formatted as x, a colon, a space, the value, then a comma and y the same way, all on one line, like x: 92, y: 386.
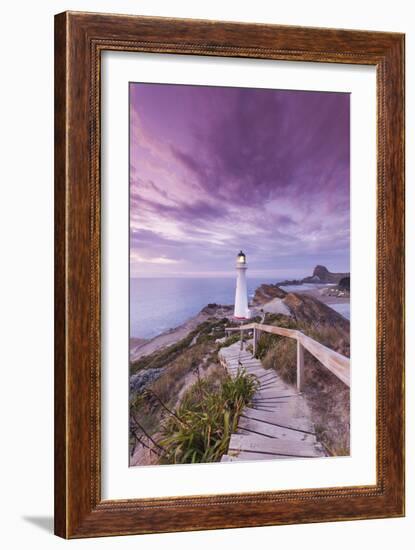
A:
x: 207, y: 331
x: 327, y: 397
x: 209, y: 411
x: 282, y: 357
x: 328, y: 335
x: 168, y: 385
x: 231, y: 340
x: 197, y: 350
x: 206, y: 418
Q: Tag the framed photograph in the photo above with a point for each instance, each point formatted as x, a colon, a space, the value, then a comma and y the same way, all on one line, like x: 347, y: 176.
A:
x: 229, y: 275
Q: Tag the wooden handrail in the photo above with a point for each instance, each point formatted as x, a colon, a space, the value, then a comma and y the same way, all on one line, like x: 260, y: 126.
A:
x: 281, y: 331
x: 336, y: 363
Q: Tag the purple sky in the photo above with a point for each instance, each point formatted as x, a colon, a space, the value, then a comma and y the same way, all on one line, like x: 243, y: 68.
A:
x: 214, y: 170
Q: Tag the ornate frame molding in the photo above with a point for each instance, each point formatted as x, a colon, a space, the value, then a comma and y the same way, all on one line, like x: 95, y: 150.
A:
x: 79, y: 40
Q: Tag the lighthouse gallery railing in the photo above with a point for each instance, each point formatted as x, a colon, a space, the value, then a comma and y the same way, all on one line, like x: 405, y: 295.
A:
x: 336, y: 363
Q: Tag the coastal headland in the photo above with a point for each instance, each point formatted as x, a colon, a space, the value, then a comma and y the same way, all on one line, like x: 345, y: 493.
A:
x: 319, y: 286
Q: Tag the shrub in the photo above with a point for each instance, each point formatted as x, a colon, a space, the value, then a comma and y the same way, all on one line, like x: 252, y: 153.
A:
x: 169, y: 383
x: 329, y: 336
x: 205, y: 420
x: 231, y: 339
x: 329, y: 402
x: 146, y: 407
x: 264, y: 344
x: 344, y: 284
x: 282, y: 357
x: 205, y: 332
x: 160, y: 358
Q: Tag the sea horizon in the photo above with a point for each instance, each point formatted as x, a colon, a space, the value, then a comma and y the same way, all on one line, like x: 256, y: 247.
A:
x: 162, y: 303
x: 222, y: 276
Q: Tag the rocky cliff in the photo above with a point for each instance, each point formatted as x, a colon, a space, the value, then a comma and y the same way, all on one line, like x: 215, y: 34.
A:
x: 322, y: 275
x: 308, y: 309
x: 265, y: 293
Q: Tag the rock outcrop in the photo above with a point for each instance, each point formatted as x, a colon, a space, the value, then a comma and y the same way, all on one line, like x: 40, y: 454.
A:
x: 322, y: 275
x: 344, y: 284
x: 266, y: 292
x: 144, y: 378
x: 307, y: 309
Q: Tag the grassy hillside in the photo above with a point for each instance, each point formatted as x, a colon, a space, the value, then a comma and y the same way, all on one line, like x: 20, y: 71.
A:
x: 183, y: 406
x: 179, y: 368
x: 201, y: 427
x: 327, y: 397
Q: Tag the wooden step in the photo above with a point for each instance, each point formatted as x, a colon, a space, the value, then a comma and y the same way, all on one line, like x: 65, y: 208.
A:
x: 274, y: 393
x: 271, y: 383
x: 283, y: 408
x: 235, y: 364
x: 297, y: 423
x: 247, y: 456
x: 270, y: 377
x: 273, y: 431
x: 273, y: 447
x: 252, y: 370
x: 236, y: 357
x: 274, y: 386
x: 276, y: 425
x: 227, y: 458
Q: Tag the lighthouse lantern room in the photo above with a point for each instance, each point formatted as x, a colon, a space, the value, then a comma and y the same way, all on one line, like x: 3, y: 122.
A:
x: 241, y: 295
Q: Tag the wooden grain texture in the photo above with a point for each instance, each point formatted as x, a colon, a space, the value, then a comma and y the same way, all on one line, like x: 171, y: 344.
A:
x: 281, y: 433
x: 60, y: 509
x: 80, y: 38
x: 336, y: 363
x: 300, y: 366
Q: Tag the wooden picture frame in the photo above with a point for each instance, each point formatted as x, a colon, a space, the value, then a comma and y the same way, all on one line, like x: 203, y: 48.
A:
x: 79, y: 40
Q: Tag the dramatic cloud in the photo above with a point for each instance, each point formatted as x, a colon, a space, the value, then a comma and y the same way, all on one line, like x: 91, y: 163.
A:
x: 213, y: 170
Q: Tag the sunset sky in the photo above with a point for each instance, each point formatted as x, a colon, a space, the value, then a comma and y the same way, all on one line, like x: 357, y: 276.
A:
x: 214, y: 170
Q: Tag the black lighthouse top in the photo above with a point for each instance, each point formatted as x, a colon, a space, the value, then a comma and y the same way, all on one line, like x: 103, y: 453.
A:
x: 241, y: 258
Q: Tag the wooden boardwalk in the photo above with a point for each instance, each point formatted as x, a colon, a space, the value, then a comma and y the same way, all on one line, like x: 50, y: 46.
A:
x: 277, y: 425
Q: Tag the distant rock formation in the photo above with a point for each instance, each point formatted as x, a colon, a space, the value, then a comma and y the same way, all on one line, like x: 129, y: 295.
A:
x: 266, y: 293
x: 322, y: 275
x: 290, y: 282
x: 344, y: 284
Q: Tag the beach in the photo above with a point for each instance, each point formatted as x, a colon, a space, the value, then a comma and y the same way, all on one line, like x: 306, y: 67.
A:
x: 175, y: 334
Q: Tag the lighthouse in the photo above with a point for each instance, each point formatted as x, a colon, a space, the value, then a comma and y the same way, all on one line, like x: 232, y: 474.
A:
x: 241, y: 294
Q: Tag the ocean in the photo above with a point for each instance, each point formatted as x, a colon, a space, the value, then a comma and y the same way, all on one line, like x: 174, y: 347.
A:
x: 157, y: 305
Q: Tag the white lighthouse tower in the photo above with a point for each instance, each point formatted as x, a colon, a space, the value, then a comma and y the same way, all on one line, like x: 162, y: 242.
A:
x: 241, y: 294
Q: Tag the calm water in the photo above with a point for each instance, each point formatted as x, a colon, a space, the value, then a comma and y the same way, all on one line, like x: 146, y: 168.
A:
x: 157, y: 305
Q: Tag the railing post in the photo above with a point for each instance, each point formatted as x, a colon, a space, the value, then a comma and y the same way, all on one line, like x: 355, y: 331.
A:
x: 255, y: 341
x: 300, y: 367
